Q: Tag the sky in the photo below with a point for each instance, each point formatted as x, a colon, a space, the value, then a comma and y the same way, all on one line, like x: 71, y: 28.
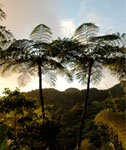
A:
x: 63, y: 17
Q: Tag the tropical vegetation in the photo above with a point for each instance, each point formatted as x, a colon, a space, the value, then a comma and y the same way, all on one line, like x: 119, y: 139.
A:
x: 90, y: 119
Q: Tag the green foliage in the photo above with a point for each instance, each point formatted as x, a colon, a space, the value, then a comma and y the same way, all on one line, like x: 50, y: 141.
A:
x: 3, y: 136
x: 115, y: 121
x: 95, y: 53
x: 119, y: 104
x: 108, y: 146
x: 85, y: 51
x: 72, y: 96
x: 86, y: 145
x: 67, y: 108
x: 123, y: 84
x: 15, y: 101
x: 16, y: 110
x: 34, y: 57
x: 26, y: 128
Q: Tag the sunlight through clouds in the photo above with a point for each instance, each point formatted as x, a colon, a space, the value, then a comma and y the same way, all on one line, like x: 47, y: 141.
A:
x: 67, y: 27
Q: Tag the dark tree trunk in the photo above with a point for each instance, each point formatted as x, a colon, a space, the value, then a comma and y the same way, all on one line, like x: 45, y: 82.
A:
x: 90, y: 64
x: 40, y: 89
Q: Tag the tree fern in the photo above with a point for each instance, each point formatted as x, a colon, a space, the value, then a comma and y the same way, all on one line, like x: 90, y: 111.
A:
x: 41, y: 34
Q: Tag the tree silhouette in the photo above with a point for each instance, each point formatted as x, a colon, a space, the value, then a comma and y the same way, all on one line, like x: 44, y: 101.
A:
x: 97, y: 52
x: 86, y: 53
x: 32, y: 57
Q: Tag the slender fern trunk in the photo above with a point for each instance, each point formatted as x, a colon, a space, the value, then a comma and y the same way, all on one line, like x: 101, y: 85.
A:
x: 40, y: 89
x: 90, y: 64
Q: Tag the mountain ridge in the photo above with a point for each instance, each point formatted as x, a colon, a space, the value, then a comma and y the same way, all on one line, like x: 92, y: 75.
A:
x: 72, y: 96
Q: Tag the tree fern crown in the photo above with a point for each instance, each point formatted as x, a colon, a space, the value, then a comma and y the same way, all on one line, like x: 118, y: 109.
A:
x: 41, y: 34
x: 85, y: 32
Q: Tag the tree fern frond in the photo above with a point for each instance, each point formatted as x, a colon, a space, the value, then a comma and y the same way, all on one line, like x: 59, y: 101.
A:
x: 117, y: 65
x: 105, y: 37
x: 50, y: 78
x: 85, y: 26
x: 6, y: 70
x: 2, y: 14
x: 85, y: 31
x: 2, y: 36
x: 24, y: 78
x: 40, y: 27
x: 41, y: 33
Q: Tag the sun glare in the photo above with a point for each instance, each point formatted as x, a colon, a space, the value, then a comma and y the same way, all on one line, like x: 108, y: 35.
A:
x: 67, y: 27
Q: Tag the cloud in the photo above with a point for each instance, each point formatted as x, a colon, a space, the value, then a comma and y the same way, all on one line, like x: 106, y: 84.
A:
x: 67, y: 27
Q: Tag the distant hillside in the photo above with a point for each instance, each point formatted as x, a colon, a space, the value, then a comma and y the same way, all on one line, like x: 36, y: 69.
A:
x: 72, y: 96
